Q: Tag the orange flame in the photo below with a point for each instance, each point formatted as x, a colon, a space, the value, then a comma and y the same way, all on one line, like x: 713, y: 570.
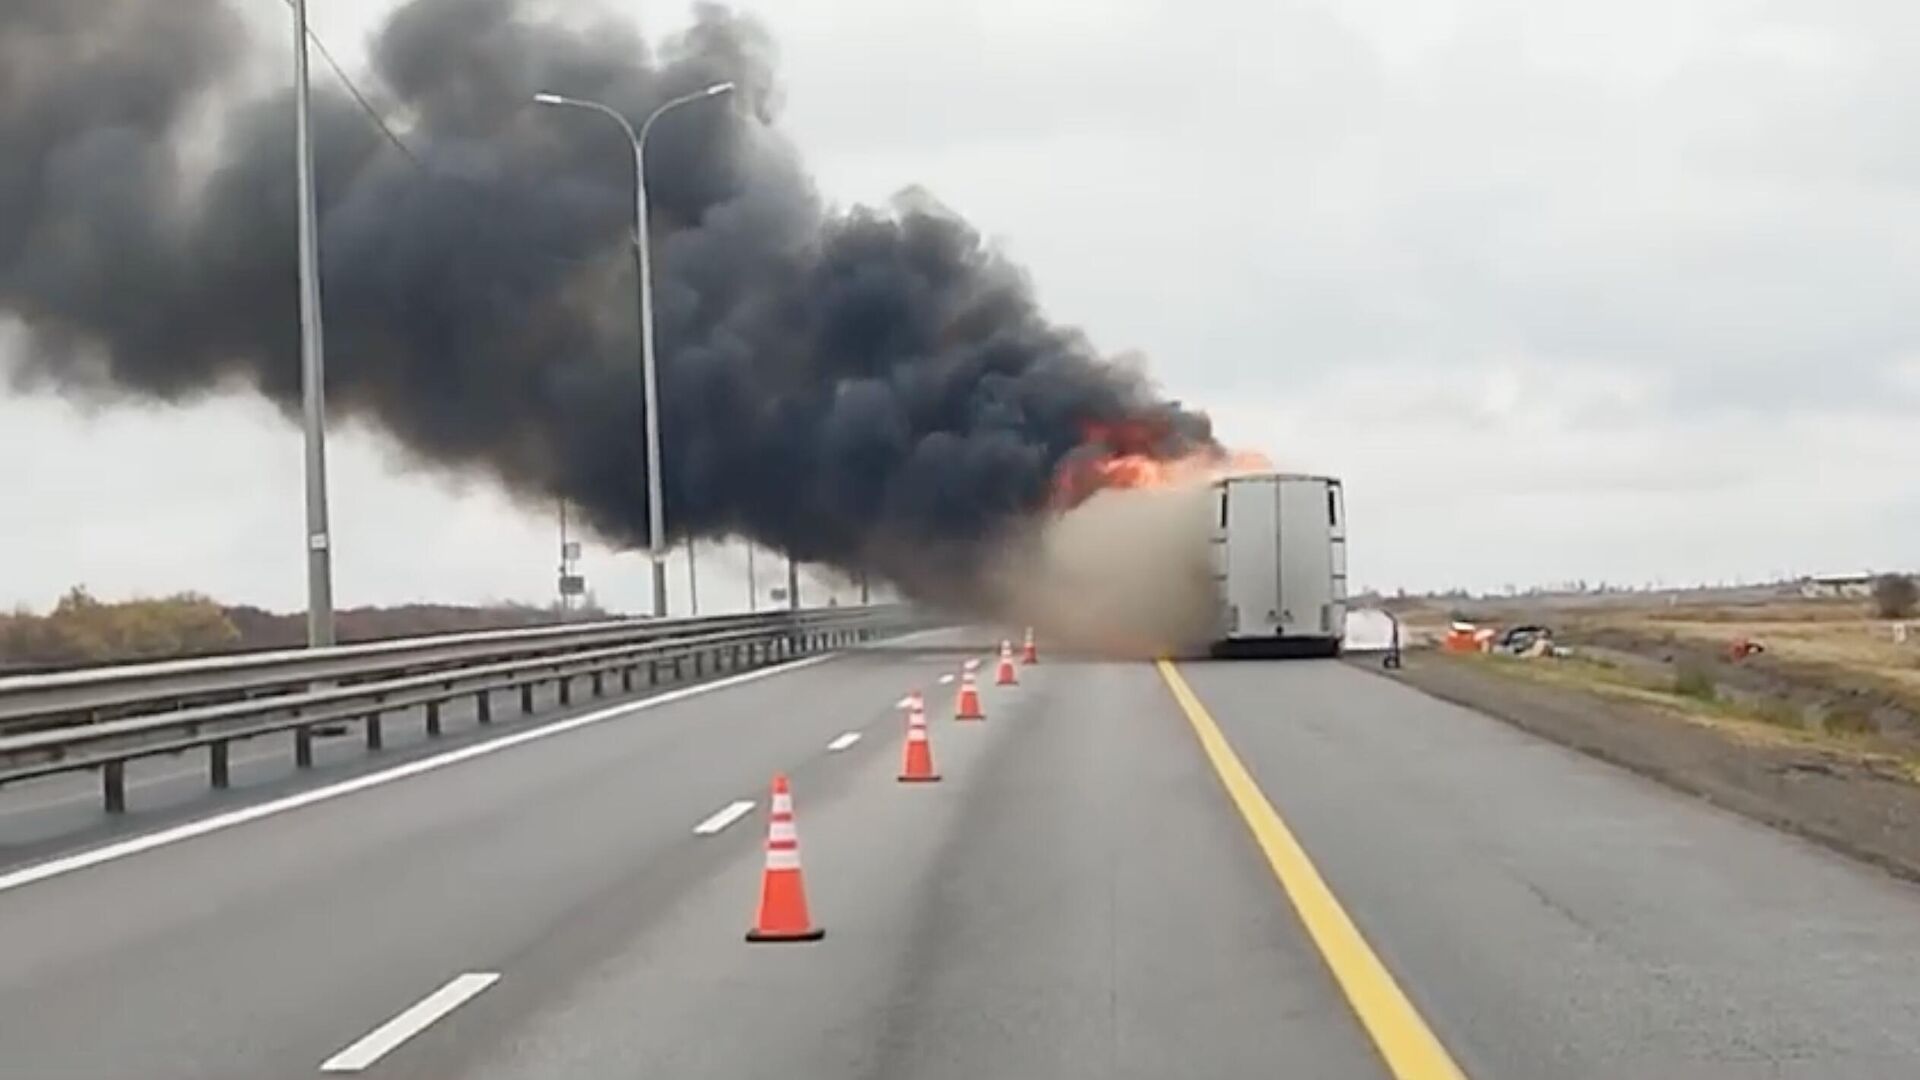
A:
x: 1118, y: 457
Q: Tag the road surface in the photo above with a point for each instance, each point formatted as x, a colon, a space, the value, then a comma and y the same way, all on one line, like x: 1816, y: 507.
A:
x: 1089, y: 892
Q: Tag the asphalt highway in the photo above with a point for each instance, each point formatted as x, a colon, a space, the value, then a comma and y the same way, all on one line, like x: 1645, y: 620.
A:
x: 1293, y: 869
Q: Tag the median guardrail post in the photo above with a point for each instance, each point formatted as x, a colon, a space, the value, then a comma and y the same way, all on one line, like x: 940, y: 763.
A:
x: 217, y: 763
x: 483, y: 705
x: 113, y: 783
x: 433, y: 719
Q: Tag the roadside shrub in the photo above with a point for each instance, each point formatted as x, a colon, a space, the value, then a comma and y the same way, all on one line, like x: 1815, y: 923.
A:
x: 1895, y: 596
x: 1779, y: 711
x: 81, y: 629
x: 1848, y: 718
x: 1691, y: 681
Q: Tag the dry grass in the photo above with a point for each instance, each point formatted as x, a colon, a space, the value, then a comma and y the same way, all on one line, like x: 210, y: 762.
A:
x: 1763, y: 723
x: 1835, y: 641
x: 1420, y: 622
x: 1778, y: 611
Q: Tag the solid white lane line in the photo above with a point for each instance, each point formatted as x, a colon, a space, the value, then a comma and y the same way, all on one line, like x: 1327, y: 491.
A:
x: 946, y: 679
x: 842, y: 742
x: 67, y: 864
x: 724, y: 817
x: 380, y: 1042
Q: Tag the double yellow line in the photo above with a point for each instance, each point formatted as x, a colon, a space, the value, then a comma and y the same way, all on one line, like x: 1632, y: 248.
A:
x: 1411, y: 1050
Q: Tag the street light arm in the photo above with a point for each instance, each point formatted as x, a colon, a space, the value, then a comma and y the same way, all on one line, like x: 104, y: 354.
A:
x: 638, y: 139
x: 639, y: 175
x: 684, y: 99
x: 578, y: 103
x: 646, y: 125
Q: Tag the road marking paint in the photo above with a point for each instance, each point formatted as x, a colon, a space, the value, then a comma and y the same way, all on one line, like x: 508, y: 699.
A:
x: 381, y: 1041
x: 67, y: 864
x: 904, y: 703
x: 843, y: 741
x: 1411, y: 1050
x: 946, y: 679
x: 724, y: 817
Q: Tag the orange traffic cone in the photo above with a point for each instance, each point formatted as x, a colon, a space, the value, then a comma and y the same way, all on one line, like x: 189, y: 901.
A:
x: 1005, y: 676
x: 1029, y: 653
x: 967, y: 705
x: 783, y: 896
x: 918, y: 766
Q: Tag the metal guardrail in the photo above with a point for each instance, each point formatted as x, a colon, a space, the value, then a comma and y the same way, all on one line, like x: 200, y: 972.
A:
x: 59, y: 722
x: 102, y: 693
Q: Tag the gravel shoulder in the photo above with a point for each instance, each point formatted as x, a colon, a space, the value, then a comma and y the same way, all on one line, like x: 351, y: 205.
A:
x: 1863, y: 804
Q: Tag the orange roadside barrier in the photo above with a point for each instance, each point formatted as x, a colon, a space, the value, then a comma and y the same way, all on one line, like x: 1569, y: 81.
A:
x: 917, y: 766
x: 783, y: 895
x: 1461, y: 638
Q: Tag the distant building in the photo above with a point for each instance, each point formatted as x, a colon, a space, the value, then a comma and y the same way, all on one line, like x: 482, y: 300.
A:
x: 1837, y: 586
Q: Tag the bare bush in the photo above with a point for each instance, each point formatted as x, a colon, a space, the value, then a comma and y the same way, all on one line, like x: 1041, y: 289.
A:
x: 1695, y: 682
x: 82, y: 630
x: 1895, y: 596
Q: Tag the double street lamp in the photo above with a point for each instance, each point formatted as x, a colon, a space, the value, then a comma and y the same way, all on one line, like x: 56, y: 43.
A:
x: 656, y: 513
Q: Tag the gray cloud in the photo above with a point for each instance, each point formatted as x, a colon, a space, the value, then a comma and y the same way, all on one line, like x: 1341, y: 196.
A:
x: 1713, y: 197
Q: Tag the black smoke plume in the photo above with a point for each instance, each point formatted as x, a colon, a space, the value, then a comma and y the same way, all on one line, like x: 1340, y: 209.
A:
x: 873, y: 389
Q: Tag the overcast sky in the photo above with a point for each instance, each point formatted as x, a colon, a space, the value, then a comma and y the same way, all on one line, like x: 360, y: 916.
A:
x: 1624, y: 291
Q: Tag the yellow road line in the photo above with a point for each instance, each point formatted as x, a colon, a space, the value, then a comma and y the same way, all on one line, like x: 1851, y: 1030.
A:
x: 1403, y: 1038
